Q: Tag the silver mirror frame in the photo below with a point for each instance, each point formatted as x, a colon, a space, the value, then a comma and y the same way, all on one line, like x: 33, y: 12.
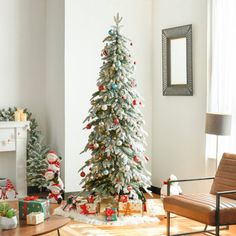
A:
x: 177, y: 89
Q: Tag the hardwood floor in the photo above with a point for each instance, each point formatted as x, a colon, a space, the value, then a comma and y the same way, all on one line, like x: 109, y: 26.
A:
x: 179, y: 224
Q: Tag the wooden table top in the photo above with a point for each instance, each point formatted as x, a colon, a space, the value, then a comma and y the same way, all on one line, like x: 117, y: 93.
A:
x: 51, y: 224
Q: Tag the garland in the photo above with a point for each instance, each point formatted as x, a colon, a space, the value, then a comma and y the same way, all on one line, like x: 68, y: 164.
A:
x: 36, y: 149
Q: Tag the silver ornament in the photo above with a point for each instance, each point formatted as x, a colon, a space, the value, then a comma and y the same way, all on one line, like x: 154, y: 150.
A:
x: 119, y: 143
x: 104, y: 107
x: 127, y: 168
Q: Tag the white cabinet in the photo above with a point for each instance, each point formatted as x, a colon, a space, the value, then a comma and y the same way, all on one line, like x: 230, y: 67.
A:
x: 13, y: 137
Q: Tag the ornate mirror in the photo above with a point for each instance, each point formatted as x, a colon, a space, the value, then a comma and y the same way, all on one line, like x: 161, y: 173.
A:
x: 177, y: 61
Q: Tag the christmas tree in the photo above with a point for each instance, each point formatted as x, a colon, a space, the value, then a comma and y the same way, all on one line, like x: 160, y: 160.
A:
x: 36, y: 149
x: 117, y: 139
x: 36, y: 155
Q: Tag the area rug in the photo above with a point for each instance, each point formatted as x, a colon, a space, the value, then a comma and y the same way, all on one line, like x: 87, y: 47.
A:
x: 100, y: 219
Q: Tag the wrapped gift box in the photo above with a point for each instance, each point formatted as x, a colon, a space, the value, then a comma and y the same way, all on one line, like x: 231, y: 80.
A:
x: 35, y: 218
x: 32, y: 204
x: 111, y: 214
x: 124, y: 198
x: 107, y: 202
x: 131, y: 208
x: 87, y: 208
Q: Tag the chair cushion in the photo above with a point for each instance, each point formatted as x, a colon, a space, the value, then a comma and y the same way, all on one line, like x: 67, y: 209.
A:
x: 225, y: 178
x: 201, y: 207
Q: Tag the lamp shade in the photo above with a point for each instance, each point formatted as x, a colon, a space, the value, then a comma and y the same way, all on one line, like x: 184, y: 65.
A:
x: 218, y: 124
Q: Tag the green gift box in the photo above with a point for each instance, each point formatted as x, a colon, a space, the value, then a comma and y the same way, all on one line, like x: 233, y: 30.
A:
x: 111, y: 213
x: 31, y: 204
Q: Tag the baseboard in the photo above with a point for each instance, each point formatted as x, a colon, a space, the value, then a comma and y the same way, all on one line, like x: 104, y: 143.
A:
x: 156, y: 190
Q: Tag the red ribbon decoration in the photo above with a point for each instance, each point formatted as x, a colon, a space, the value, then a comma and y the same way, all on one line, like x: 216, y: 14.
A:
x: 26, y: 199
x: 84, y: 209
x: 31, y: 198
x: 109, y: 212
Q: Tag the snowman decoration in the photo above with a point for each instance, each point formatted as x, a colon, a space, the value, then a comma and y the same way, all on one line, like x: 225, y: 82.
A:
x: 175, y: 189
x: 52, y: 175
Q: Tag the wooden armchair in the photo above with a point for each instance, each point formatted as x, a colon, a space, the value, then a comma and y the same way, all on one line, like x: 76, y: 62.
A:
x: 217, y: 208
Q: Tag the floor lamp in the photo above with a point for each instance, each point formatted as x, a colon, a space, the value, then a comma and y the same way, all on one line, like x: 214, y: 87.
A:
x: 218, y: 124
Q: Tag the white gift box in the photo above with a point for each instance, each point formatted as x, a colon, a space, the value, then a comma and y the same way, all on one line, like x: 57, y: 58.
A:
x: 35, y: 218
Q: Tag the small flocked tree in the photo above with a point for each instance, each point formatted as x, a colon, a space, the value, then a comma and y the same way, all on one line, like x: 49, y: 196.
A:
x: 117, y: 139
x: 36, y: 155
x: 36, y: 149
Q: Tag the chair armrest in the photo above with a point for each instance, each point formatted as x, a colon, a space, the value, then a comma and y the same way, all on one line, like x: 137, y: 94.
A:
x: 218, y: 195
x: 185, y: 180
x: 226, y: 192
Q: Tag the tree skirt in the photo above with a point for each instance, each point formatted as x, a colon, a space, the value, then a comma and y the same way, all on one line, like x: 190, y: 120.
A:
x: 100, y: 219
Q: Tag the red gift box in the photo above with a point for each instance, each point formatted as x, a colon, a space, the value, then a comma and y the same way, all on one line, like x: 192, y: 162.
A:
x: 124, y: 198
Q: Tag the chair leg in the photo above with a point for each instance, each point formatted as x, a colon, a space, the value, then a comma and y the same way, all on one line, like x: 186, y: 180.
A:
x: 168, y: 224
x: 58, y: 232
x: 217, y: 230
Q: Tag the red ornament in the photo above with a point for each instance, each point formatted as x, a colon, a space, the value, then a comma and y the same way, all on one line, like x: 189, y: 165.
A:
x: 91, y: 146
x: 105, y: 52
x: 82, y: 174
x: 90, y: 168
x: 136, y: 159
x: 147, y: 158
x: 165, y: 182
x: 101, y: 87
x: 108, y: 157
x: 116, y: 121
x: 88, y: 126
x: 134, y: 102
x: 123, y: 97
x: 131, y: 146
x: 129, y: 188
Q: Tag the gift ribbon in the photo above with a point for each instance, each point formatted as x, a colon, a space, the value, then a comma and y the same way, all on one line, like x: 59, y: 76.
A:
x: 84, y: 209
x: 26, y: 199
x: 128, y: 211
x: 31, y: 198
x: 109, y: 212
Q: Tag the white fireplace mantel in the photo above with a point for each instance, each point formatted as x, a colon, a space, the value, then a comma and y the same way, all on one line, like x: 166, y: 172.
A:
x: 13, y: 137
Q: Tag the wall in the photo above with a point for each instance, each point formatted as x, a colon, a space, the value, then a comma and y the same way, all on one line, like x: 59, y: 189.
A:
x: 55, y: 95
x: 22, y: 61
x: 178, y: 122
x: 86, y: 24
x: 22, y: 46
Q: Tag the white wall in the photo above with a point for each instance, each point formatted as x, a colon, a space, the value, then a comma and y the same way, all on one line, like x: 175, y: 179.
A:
x: 22, y: 62
x: 86, y: 24
x: 22, y: 47
x: 178, y: 122
x: 55, y: 95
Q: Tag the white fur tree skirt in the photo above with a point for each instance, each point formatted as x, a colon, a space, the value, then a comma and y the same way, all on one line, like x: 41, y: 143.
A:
x: 100, y: 219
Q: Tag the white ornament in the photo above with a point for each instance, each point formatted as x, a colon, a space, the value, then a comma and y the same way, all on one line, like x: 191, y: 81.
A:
x: 95, y: 145
x: 127, y: 168
x: 104, y: 107
x: 125, y: 80
x: 119, y: 143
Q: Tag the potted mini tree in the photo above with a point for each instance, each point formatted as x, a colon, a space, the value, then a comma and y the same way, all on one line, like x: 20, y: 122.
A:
x: 8, y: 218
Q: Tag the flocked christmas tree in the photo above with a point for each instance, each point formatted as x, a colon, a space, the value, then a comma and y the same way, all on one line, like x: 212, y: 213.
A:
x: 117, y: 139
x: 36, y: 149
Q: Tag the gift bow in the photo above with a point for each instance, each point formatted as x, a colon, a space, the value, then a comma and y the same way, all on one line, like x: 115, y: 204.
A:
x: 84, y: 209
x: 109, y: 212
x: 31, y: 198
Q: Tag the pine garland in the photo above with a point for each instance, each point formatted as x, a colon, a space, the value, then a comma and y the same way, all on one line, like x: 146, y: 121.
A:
x: 36, y: 149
